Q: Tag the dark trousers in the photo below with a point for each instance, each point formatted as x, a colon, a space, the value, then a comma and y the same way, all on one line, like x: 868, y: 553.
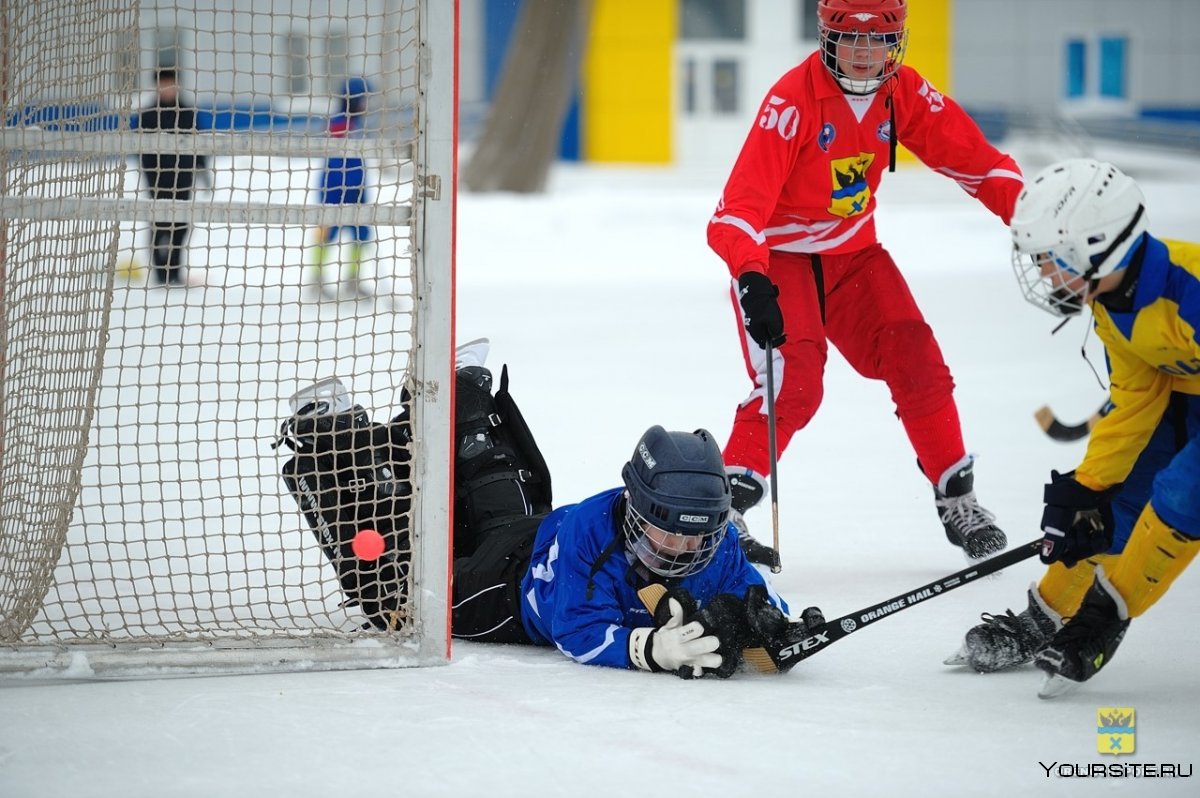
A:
x: 167, y: 240
x: 487, y: 598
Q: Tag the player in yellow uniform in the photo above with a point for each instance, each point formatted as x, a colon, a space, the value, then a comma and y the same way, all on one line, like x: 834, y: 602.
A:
x: 1080, y: 236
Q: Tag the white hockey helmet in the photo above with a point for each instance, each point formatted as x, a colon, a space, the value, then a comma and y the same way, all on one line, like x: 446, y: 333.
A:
x: 1076, y: 222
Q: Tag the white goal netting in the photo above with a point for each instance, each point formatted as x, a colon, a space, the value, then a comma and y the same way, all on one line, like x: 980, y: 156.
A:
x: 206, y: 207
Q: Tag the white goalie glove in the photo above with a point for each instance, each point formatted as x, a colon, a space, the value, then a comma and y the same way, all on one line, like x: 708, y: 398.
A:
x: 684, y: 649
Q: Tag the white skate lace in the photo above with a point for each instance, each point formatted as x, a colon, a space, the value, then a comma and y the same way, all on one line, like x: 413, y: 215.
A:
x: 964, y: 513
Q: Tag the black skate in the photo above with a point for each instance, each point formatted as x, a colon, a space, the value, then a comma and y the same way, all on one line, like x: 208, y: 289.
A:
x: 968, y: 525
x: 1005, y: 641
x: 1087, y: 642
x: 748, y: 490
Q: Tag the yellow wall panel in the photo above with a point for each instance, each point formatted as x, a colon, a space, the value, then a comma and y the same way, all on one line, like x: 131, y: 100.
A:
x: 929, y: 31
x: 626, y: 97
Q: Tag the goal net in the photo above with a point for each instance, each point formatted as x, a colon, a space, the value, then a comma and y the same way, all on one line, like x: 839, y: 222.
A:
x: 205, y: 208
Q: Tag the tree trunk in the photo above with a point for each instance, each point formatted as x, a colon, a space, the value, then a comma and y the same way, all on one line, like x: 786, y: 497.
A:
x: 520, y: 139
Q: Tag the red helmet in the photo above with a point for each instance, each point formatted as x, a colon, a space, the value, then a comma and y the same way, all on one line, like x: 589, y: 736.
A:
x: 873, y: 30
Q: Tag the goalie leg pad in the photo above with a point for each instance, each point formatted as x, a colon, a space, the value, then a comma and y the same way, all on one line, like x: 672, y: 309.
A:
x: 487, y: 585
x: 500, y: 473
x: 347, y: 475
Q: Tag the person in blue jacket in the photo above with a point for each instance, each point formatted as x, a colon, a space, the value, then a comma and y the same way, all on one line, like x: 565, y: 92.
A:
x: 575, y: 578
x: 343, y: 181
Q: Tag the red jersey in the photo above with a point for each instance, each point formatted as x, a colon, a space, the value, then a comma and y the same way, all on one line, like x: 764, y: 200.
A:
x: 806, y: 178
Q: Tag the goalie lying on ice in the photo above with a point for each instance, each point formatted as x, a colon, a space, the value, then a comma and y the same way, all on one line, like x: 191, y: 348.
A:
x: 586, y: 577
x: 578, y: 578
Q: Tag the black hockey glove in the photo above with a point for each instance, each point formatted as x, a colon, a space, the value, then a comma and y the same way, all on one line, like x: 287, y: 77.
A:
x: 725, y: 616
x: 760, y: 305
x: 773, y: 640
x: 774, y: 643
x: 1077, y: 521
x: 752, y: 622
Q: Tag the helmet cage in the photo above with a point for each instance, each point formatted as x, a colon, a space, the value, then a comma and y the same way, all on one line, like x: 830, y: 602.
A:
x: 664, y: 560
x: 876, y: 26
x: 895, y: 43
x: 675, y: 484
x: 1075, y: 223
x: 1050, y: 292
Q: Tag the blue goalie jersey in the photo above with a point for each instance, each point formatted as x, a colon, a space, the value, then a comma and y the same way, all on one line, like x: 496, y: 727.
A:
x: 580, y: 592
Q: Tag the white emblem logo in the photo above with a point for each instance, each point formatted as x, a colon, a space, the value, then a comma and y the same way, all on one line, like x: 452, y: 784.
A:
x: 932, y: 96
x: 646, y: 458
x: 863, y: 16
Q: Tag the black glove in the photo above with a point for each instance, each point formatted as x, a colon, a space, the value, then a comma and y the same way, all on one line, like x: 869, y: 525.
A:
x: 773, y: 634
x: 738, y: 623
x: 726, y: 617
x: 1077, y: 521
x: 760, y: 305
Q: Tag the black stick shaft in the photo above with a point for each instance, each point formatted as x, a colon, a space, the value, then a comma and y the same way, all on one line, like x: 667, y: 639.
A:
x: 832, y: 631
x: 773, y: 457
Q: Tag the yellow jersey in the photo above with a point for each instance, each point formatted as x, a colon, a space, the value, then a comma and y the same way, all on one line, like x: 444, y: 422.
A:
x: 1152, y: 350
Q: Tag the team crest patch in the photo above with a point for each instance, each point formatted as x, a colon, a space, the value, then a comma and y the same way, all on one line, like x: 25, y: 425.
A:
x: 850, y: 191
x: 826, y: 136
x: 1116, y: 730
x: 884, y: 131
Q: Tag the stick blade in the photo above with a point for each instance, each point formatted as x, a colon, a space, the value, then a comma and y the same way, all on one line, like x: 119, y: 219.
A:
x: 1059, y: 431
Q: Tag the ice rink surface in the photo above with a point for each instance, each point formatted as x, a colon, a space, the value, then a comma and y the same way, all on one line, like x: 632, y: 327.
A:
x: 612, y: 315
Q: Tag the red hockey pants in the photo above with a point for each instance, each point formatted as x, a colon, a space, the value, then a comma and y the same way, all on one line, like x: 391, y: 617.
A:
x: 869, y: 314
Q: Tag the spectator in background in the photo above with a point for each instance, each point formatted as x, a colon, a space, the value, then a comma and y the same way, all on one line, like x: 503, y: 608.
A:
x: 342, y: 182
x: 169, y: 176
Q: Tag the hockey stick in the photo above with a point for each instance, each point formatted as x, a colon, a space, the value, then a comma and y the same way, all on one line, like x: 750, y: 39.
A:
x: 830, y: 632
x: 777, y: 565
x: 1068, y: 432
x: 789, y: 651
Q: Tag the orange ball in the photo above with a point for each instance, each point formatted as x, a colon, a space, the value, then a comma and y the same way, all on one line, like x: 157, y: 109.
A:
x: 368, y: 545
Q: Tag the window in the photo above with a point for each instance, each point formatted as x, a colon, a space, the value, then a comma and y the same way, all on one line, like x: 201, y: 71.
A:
x: 125, y: 56
x: 1096, y: 68
x: 166, y: 48
x: 1112, y: 67
x: 337, y: 58
x: 808, y: 20
x: 1076, y: 68
x: 296, y: 74
x: 689, y: 86
x: 712, y: 19
x: 725, y: 86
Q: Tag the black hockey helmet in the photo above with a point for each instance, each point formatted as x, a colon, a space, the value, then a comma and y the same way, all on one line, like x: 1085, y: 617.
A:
x: 676, y: 483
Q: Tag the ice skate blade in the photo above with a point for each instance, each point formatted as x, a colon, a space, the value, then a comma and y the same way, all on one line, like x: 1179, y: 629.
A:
x: 958, y: 658
x: 978, y: 560
x: 1056, y: 685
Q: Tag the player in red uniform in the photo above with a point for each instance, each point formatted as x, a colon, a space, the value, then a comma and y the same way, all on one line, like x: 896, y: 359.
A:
x: 796, y: 226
